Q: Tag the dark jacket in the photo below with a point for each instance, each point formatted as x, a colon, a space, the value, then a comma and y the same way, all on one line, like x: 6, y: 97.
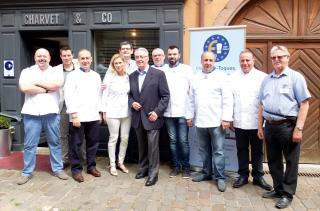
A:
x: 154, y: 96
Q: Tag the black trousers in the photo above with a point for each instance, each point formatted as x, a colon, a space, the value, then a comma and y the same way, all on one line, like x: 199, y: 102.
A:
x: 244, y: 140
x: 279, y: 144
x: 148, y: 146
x: 89, y: 131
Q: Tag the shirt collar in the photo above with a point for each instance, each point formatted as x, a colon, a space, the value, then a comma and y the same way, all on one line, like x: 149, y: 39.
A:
x: 83, y: 70
x: 159, y: 65
x: 213, y: 69
x: 284, y: 73
x: 64, y: 70
x: 144, y: 71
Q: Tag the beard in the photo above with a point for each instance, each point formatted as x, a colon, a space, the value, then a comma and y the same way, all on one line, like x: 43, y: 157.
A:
x: 173, y: 61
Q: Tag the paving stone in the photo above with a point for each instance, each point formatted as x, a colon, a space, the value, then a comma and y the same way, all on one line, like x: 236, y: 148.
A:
x: 126, y: 193
x: 203, y: 208
x: 244, y: 202
x: 309, y: 204
x: 232, y: 203
x: 219, y: 207
x: 178, y: 205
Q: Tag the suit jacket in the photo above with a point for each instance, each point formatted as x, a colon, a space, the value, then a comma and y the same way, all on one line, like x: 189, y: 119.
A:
x: 154, y: 96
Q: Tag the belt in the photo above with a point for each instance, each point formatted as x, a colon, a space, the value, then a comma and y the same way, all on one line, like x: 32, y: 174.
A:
x: 278, y: 122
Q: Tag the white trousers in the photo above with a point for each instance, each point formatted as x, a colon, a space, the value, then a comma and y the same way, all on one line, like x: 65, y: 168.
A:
x: 114, y: 124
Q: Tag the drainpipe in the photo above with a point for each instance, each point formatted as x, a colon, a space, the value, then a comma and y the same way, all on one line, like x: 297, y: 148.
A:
x: 201, y: 13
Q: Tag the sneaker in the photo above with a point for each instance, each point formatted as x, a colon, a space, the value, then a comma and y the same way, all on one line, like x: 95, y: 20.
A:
x: 174, y: 172
x: 221, y: 186
x: 61, y: 175
x: 186, y: 174
x: 23, y: 179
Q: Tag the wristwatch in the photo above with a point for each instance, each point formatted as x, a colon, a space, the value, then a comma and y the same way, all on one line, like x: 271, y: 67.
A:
x: 299, y: 128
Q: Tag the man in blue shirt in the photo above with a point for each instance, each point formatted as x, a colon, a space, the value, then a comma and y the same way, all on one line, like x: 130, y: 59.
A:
x: 284, y: 103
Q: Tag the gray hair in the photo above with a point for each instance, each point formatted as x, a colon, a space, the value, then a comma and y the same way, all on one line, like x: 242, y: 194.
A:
x: 157, y: 49
x: 144, y: 50
x: 282, y: 48
x: 246, y: 51
x: 207, y: 53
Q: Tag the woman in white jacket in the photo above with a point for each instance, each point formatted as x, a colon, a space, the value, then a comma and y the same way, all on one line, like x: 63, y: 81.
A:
x: 116, y: 111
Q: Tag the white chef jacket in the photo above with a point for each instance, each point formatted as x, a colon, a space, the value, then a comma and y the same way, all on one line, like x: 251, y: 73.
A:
x: 82, y: 93
x: 245, y: 90
x: 179, y: 80
x: 211, y: 99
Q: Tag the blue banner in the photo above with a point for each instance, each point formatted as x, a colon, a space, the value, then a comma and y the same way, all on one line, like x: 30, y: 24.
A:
x: 226, y: 43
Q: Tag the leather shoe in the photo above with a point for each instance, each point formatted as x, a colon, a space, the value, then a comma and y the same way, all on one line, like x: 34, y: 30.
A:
x: 66, y: 165
x: 94, y: 172
x: 241, y: 181
x: 271, y: 195
x: 262, y: 183
x: 283, y: 202
x: 78, y: 177
x: 140, y: 175
x: 151, y: 181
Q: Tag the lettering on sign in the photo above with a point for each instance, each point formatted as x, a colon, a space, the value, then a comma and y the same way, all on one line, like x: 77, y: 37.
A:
x: 106, y: 17
x: 41, y: 19
x: 78, y: 19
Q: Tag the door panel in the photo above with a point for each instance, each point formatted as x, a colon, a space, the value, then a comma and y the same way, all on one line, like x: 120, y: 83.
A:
x: 304, y: 58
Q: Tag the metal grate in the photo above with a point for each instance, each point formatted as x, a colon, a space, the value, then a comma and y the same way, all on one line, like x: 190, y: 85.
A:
x: 303, y: 174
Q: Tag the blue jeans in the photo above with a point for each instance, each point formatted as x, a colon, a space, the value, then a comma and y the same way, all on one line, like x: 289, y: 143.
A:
x: 33, y: 126
x: 179, y: 145
x: 211, y: 149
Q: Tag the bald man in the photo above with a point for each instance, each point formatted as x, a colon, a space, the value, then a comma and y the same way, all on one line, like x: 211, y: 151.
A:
x: 40, y: 84
x: 82, y: 94
x: 211, y: 108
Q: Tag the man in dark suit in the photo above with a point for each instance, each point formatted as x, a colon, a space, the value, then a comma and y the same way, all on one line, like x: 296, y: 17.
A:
x: 148, y: 98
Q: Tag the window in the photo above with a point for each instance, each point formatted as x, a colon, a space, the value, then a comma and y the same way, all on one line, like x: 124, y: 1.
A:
x: 107, y: 43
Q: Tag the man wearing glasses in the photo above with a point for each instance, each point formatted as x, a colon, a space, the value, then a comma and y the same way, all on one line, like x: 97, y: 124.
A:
x: 148, y: 98
x: 284, y: 103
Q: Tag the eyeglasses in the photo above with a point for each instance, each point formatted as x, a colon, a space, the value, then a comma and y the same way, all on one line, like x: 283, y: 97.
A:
x: 278, y: 57
x: 125, y: 49
x: 140, y: 57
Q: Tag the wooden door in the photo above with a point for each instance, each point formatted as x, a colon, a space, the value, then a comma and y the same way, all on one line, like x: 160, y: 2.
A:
x: 305, y: 59
x: 295, y: 24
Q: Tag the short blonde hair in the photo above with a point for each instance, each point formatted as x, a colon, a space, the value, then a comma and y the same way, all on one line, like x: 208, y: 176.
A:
x: 113, y: 68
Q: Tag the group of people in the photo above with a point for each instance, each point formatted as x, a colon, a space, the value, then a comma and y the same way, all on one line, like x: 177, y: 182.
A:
x: 135, y: 94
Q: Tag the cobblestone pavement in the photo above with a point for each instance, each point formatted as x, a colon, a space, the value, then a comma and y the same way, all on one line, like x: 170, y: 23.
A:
x: 47, y: 193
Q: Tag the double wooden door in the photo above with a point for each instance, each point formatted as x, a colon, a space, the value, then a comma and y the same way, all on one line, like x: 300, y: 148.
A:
x: 295, y: 24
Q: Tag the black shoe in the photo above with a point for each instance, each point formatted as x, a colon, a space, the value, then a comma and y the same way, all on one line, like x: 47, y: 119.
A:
x: 186, y: 174
x: 151, y: 181
x: 201, y: 177
x: 271, y: 195
x: 66, y: 165
x: 174, y: 172
x: 241, y: 181
x: 283, y: 202
x: 262, y: 183
x: 140, y: 175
